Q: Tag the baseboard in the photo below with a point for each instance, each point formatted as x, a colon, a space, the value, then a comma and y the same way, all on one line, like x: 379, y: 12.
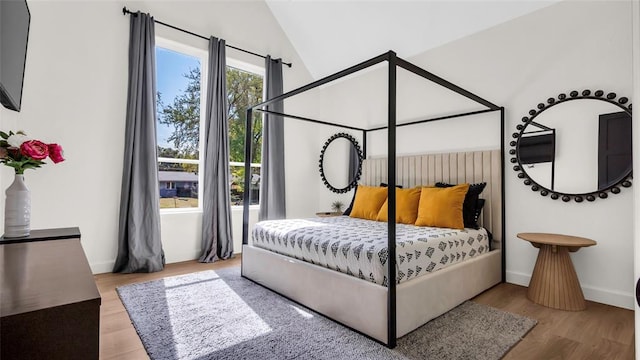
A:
x: 107, y: 266
x: 517, y: 278
x: 609, y: 297
x: 592, y: 293
x: 102, y: 267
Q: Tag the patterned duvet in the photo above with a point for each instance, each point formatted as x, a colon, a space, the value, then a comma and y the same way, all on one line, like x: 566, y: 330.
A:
x: 359, y: 247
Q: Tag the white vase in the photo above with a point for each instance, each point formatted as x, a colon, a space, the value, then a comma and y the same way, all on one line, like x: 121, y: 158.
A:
x: 17, y: 211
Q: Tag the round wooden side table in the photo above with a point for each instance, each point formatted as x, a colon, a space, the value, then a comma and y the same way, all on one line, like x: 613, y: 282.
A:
x: 554, y: 282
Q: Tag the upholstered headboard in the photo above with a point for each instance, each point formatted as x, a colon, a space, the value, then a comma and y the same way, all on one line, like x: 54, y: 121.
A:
x: 455, y: 168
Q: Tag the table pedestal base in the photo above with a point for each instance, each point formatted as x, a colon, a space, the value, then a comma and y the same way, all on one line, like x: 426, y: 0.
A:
x: 554, y: 282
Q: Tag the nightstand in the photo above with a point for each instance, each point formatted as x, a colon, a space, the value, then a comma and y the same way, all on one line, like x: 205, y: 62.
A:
x: 554, y: 282
x: 328, y: 214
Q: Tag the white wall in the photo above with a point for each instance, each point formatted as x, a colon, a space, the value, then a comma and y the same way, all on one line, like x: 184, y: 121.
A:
x: 75, y: 93
x: 571, y: 45
x: 636, y: 164
x: 564, y: 47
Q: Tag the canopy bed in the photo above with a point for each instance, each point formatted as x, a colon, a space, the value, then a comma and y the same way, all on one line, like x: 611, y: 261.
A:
x: 388, y: 299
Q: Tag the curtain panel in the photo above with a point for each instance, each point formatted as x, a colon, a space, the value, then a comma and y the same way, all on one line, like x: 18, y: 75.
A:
x: 272, y: 175
x: 139, y: 243
x: 217, y: 236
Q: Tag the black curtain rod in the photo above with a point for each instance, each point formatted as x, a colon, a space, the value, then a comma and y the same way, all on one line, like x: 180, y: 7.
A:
x: 126, y: 11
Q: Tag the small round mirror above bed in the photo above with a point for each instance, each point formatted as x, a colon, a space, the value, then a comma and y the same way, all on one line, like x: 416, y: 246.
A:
x: 341, y: 149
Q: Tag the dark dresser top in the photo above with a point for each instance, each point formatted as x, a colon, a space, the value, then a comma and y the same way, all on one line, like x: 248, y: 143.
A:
x: 43, y: 235
x: 41, y: 274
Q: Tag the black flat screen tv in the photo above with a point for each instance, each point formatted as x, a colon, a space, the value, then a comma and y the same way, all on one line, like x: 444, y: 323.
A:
x: 537, y: 149
x: 14, y: 36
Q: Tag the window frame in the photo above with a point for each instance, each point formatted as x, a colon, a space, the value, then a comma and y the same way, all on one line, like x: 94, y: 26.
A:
x: 203, y: 56
x: 257, y: 70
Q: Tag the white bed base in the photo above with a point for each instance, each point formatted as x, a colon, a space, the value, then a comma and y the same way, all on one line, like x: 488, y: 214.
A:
x: 360, y: 304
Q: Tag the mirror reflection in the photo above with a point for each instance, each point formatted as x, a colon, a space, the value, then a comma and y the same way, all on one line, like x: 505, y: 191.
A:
x: 336, y: 153
x: 340, y: 149
x: 577, y: 147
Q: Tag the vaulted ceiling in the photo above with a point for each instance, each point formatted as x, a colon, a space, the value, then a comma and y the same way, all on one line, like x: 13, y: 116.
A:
x: 331, y: 35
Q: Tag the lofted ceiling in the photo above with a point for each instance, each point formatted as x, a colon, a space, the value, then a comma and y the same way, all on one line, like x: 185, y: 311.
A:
x: 331, y: 35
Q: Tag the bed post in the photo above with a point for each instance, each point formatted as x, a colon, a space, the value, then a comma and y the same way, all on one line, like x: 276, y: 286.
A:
x: 247, y: 177
x: 391, y: 216
x: 364, y: 144
x: 503, y: 247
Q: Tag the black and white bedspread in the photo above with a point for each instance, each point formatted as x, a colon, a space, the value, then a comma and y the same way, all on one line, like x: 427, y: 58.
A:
x: 359, y: 247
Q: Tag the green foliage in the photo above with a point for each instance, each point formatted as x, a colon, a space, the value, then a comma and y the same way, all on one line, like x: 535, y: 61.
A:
x: 244, y: 89
x: 5, y: 136
x: 337, y: 205
x: 175, y: 154
x: 23, y: 163
x: 14, y: 158
x: 183, y: 116
x: 168, y: 152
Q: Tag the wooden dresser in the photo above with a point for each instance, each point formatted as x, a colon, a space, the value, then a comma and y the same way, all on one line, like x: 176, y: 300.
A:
x: 49, y: 305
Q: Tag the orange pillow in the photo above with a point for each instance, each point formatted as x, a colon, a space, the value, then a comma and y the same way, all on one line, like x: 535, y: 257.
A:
x: 368, y: 201
x: 442, y: 207
x: 406, y: 206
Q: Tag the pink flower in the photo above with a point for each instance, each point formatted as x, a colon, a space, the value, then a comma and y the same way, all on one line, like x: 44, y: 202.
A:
x: 55, y: 153
x: 35, y: 149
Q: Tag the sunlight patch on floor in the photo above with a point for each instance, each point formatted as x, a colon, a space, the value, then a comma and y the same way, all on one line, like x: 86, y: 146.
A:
x: 214, y: 303
x: 303, y: 313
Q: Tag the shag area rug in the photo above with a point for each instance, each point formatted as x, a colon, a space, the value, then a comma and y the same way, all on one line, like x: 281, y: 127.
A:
x: 220, y: 315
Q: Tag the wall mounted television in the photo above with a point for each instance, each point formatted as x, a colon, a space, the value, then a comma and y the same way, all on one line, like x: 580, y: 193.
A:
x: 539, y: 148
x: 14, y: 36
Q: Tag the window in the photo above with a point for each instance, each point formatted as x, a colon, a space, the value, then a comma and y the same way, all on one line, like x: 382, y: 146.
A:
x: 244, y: 88
x: 180, y: 73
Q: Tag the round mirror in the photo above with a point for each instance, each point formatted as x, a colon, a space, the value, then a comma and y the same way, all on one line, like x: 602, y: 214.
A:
x: 341, y: 149
x: 576, y: 146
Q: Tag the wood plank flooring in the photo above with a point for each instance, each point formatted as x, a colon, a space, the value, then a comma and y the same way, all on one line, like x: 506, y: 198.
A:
x: 599, y: 332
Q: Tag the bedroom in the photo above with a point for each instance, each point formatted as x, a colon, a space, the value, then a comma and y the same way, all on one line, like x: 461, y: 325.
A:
x: 79, y: 49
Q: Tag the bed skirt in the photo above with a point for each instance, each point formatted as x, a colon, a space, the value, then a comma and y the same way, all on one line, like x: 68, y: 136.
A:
x: 362, y: 305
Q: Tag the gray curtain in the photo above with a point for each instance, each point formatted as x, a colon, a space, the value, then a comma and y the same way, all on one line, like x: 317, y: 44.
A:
x: 139, y: 245
x: 272, y: 195
x: 217, y: 237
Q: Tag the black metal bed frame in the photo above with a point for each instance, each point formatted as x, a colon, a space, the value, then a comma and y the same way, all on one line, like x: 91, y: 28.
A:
x: 393, y: 62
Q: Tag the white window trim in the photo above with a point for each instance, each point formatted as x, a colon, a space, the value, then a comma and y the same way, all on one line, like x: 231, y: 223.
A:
x: 203, y: 56
x: 245, y: 66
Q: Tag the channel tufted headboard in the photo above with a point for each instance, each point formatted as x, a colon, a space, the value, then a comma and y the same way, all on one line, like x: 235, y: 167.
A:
x: 455, y: 168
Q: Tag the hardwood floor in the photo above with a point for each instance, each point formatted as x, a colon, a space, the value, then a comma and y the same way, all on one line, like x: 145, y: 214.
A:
x: 599, y: 332
x: 118, y: 338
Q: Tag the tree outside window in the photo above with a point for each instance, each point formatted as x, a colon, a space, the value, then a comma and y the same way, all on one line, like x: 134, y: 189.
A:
x: 179, y: 118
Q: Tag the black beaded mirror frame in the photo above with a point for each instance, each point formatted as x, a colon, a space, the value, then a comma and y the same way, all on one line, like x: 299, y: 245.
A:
x: 624, y: 181
x: 354, y: 182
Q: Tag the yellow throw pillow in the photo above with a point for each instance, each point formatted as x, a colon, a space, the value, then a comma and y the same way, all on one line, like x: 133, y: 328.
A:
x: 368, y: 201
x: 406, y: 206
x: 442, y: 207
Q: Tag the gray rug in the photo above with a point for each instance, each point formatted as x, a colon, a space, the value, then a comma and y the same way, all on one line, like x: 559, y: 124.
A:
x: 219, y: 315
